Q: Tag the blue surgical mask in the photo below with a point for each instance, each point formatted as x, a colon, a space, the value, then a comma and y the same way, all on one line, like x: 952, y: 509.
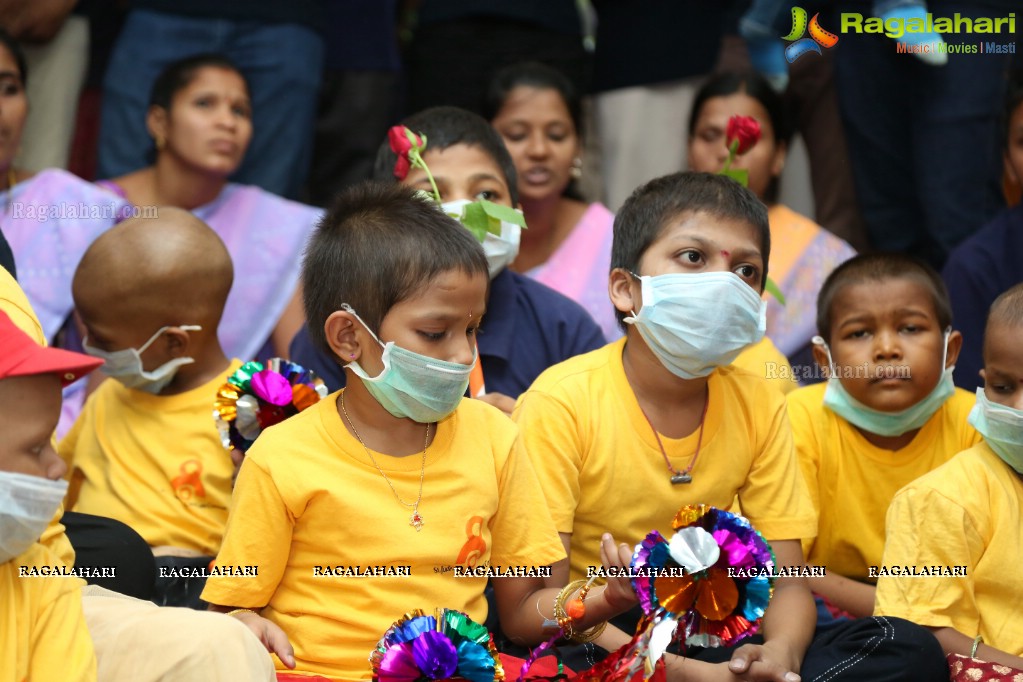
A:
x: 502, y: 249
x: 126, y: 365
x: 414, y: 386
x: 838, y: 400
x: 1002, y: 428
x: 695, y: 323
x: 27, y: 503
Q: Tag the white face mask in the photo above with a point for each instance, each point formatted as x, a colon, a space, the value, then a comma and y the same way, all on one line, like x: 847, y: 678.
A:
x: 501, y: 250
x: 27, y: 503
x: 1002, y: 428
x: 697, y: 322
x: 126, y: 365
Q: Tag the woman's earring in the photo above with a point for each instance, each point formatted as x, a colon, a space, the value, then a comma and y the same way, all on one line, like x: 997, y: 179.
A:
x: 160, y: 143
x: 577, y: 168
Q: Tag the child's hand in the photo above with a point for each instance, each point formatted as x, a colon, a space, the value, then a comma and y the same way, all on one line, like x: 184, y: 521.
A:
x: 618, y: 593
x: 500, y: 401
x: 763, y: 662
x: 270, y: 634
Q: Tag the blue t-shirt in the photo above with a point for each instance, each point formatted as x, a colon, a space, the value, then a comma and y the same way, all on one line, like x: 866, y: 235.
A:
x: 528, y: 328
x: 977, y: 271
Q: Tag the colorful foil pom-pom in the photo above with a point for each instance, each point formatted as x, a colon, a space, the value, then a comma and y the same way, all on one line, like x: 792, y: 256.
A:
x: 257, y: 396
x: 727, y: 579
x: 708, y: 585
x: 445, y: 645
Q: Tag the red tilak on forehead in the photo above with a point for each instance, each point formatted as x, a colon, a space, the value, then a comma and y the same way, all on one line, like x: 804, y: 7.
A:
x: 725, y: 253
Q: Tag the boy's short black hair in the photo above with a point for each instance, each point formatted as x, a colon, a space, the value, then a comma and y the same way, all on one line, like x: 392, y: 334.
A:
x: 445, y: 127
x: 876, y: 267
x: 378, y: 244
x: 647, y: 212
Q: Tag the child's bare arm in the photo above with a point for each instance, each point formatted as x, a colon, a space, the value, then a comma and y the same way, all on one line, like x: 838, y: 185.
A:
x: 954, y: 642
x: 853, y: 596
x: 268, y: 632
x: 789, y: 624
x: 525, y: 604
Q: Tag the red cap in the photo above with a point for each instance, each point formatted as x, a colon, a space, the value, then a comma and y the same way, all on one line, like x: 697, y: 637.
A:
x: 21, y: 356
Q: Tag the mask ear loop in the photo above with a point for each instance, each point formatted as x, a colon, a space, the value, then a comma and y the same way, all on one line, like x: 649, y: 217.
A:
x: 349, y: 309
x: 154, y: 337
x: 944, y: 351
x: 819, y: 341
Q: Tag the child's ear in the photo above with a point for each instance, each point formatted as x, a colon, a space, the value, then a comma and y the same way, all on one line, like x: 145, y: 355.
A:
x: 340, y: 328
x: 178, y: 342
x: 620, y: 288
x: 955, y: 344
x: 820, y: 356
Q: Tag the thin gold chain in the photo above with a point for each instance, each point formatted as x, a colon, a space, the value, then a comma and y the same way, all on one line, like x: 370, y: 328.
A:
x: 414, y: 506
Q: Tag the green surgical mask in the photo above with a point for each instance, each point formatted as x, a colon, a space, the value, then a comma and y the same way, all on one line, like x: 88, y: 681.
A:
x: 414, y: 386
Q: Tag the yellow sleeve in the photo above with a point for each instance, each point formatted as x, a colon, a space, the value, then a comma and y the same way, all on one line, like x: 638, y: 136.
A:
x: 765, y: 360
x: 549, y: 437
x: 523, y: 531
x: 259, y: 530
x: 774, y: 497
x: 808, y: 450
x: 925, y: 528
x: 61, y: 644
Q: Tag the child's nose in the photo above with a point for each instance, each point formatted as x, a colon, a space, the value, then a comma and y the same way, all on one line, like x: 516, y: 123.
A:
x: 886, y: 346
x: 53, y: 466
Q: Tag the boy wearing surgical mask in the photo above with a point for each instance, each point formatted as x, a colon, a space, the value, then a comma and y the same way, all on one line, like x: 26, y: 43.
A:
x: 529, y: 326
x: 397, y: 470
x: 145, y: 450
x: 43, y: 635
x: 624, y: 436
x: 967, y: 513
x: 888, y: 413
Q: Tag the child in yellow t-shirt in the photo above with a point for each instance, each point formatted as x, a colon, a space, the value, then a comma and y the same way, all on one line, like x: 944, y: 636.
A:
x: 888, y: 414
x: 43, y: 635
x: 963, y: 518
x: 145, y: 450
x: 622, y: 437
x: 396, y: 473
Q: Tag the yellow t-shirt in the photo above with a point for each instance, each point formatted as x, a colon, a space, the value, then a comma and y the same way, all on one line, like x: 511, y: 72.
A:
x: 42, y: 630
x: 964, y: 513
x: 764, y: 359
x: 153, y: 462
x: 309, y: 501
x: 858, y: 480
x: 602, y: 470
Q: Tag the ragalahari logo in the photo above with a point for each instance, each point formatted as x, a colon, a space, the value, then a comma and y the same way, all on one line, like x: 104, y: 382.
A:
x: 818, y: 36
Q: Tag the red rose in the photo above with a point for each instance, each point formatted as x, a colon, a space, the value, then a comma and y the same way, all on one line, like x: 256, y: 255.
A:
x: 401, y: 144
x: 742, y: 129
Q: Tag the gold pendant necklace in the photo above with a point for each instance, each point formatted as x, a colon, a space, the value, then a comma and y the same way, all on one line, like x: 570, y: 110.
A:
x: 416, y: 520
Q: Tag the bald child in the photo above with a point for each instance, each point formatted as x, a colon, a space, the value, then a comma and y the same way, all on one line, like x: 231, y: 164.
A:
x: 145, y: 449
